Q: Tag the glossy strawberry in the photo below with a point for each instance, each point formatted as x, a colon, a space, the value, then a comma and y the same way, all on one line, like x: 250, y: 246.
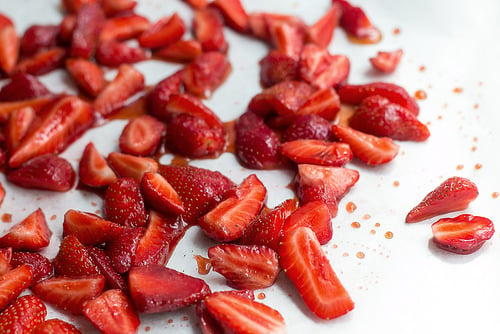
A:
x: 89, y: 228
x: 316, y: 216
x: 43, y: 62
x: 9, y: 45
x: 159, y: 194
x: 73, y: 6
x: 31, y: 234
x: 386, y: 61
x: 312, y: 151
x: 183, y: 51
x: 42, y: 267
x: 73, y: 259
x: 463, y: 234
x: 89, y: 21
x: 235, y: 16
x: 124, y: 27
x: 127, y: 165
x: 117, y: 7
x: 87, y: 75
x: 52, y: 326
x: 22, y: 86
x: 93, y: 169
x: 121, y: 250
x: 17, y: 126
x: 356, y: 23
x: 286, y: 38
x: 276, y: 67
x: 38, y: 37
x: 454, y: 194
x: 308, y: 127
x: 12, y: 283
x: 306, y: 265
x: 113, y: 53
x: 164, y: 32
x: 66, y: 29
x: 261, y: 23
x: 5, y: 258
x: 160, y: 95
x: 7, y: 108
x: 114, y: 280
x: 196, y: 4
x: 123, y: 203
x: 23, y: 315
x: 321, y: 32
x: 188, y: 104
x: 208, y: 29
x: 141, y: 136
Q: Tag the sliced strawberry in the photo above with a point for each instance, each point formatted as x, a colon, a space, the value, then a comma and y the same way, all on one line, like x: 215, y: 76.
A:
x: 229, y: 219
x: 308, y: 127
x: 177, y: 289
x: 354, y: 94
x: 38, y: 37
x: 306, y: 265
x: 160, y: 195
x: 73, y: 260
x: 13, y: 283
x: 369, y: 149
x: 31, y: 234
x: 7, y: 108
x: 58, y: 125
x: 9, y: 45
x: 23, y: 315
x: 17, y: 126
x: 127, y: 165
x: 262, y: 23
x: 357, y: 24
x: 113, y: 279
x: 113, y: 53
x: 121, y: 250
x: 115, y: 7
x: 159, y: 239
x: 66, y: 29
x: 238, y: 314
x: 314, y: 215
x: 141, y: 136
x: 5, y: 258
x: 234, y: 14
x: 124, y: 27
x: 164, y: 32
x: 209, y: 30
x: 42, y: 267
x: 276, y: 67
x: 321, y: 32
x: 245, y: 267
x: 23, y: 86
x: 463, y: 234
x: 257, y: 146
x: 206, y: 73
x: 123, y: 203
x: 287, y: 38
x: 43, y: 62
x: 52, y: 326
x: 89, y: 228
x: 73, y: 6
x: 112, y: 312
x: 196, y: 4
x: 69, y: 293
x: 318, y: 152
x: 187, y: 104
x: 89, y: 21
x: 265, y: 229
x: 386, y: 61
x: 323, y: 102
x: 454, y: 194
x: 183, y: 51
x: 160, y: 95
x: 127, y: 82
x: 93, y: 169
x: 87, y: 75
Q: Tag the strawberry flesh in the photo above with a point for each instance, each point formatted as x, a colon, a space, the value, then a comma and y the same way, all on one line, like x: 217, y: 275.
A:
x: 89, y: 228
x: 93, y: 169
x: 38, y: 37
x: 87, y: 75
x: 208, y: 29
x: 183, y: 51
x: 13, y: 283
x: 56, y: 326
x: 318, y: 152
x: 308, y: 127
x: 113, y: 54
x: 131, y: 166
x: 235, y: 16
x: 89, y: 22
x: 322, y: 31
x: 121, y: 250
x: 124, y: 204
x: 31, y: 234
x: 141, y: 136
x: 386, y: 61
x: 160, y: 95
x: 160, y: 195
x: 276, y: 67
x: 113, y: 279
x: 164, y: 32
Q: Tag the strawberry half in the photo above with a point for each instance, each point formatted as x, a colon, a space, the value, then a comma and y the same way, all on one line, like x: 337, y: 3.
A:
x: 160, y: 195
x: 286, y: 38
x: 124, y: 27
x: 318, y: 152
x: 17, y: 126
x: 7, y: 108
x: 463, y: 234
x: 73, y: 259
x: 124, y: 204
x: 9, y: 45
x: 87, y: 75
x: 306, y: 265
x: 121, y: 250
x: 117, y: 7
x: 22, y: 86
x: 31, y: 234
x: 52, y: 326
x: 208, y: 29
x: 386, y: 61
x: 357, y: 24
x: 13, y: 283
x: 321, y: 32
x: 43, y: 62
x: 183, y: 51
x: 141, y: 136
x: 23, y: 315
x: 93, y: 169
x: 89, y: 228
x: 38, y: 37
x: 127, y: 165
x: 234, y: 14
x: 190, y: 105
x: 164, y: 32
x: 160, y: 95
x: 454, y: 194
x: 42, y: 267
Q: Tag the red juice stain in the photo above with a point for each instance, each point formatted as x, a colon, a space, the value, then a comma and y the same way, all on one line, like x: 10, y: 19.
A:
x: 458, y: 90
x: 229, y: 127
x: 185, y: 318
x: 335, y: 246
x: 7, y: 218
x: 360, y: 255
x: 373, y: 231
x: 355, y: 225
x: 204, y: 264
x: 395, y: 183
x: 422, y: 68
x: 366, y: 216
x: 133, y: 110
x: 261, y: 296
x: 473, y: 148
x: 377, y: 224
x: 420, y: 94
x: 495, y: 194
x: 388, y: 235
x: 345, y: 254
x: 460, y: 167
x: 170, y: 321
x: 478, y: 166
x: 147, y: 329
x: 476, y: 106
x: 53, y: 217
x: 350, y: 207
x: 396, y: 31
x: 179, y: 160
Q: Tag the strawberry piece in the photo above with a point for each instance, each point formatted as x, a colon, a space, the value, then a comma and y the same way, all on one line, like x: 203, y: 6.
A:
x: 309, y: 126
x: 164, y: 32
x: 160, y: 95
x: 287, y: 38
x: 127, y: 165
x: 89, y: 21
x: 112, y: 312
x: 463, y: 234
x: 31, y: 234
x: 9, y: 45
x: 159, y: 239
x: 89, y: 228
x: 47, y: 172
x: 199, y: 189
x: 57, y: 126
x: 113, y: 279
x: 124, y: 27
x: 196, y: 4
x: 306, y: 265
x: 318, y: 152
x: 262, y: 23
x: 73, y: 6
x: 234, y: 14
x: 123, y: 203
x: 5, y: 258
x: 386, y: 61
x: 265, y: 229
x: 323, y: 102
x: 23, y: 315
x: 245, y: 267
x: 23, y: 86
x: 13, y: 283
x: 69, y: 293
x: 257, y: 146
x: 321, y: 32
x: 38, y: 37
x: 229, y: 219
x: 113, y: 54
x: 187, y: 104
x: 17, y: 126
x: 276, y: 67
x: 141, y: 136
x: 454, y: 194
x: 87, y: 75
x: 93, y: 169
x: 42, y: 267
x: 160, y: 195
x: 121, y: 250
x: 238, y: 314
x: 208, y: 29
x: 378, y: 116
x: 321, y: 69
x: 43, y: 62
x: 52, y: 326
x: 316, y: 216
x: 66, y: 29
x: 73, y: 260
x: 115, y: 7
x: 369, y: 149
x: 357, y: 24
x: 354, y: 94
x: 155, y: 288
x: 183, y: 51
x: 7, y: 108
x: 128, y: 81
x: 206, y: 73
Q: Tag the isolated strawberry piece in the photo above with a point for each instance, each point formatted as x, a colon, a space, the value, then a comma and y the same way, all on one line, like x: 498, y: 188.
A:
x: 123, y: 203
x: 9, y: 45
x: 245, y: 267
x: 69, y: 293
x: 386, y: 61
x: 322, y: 31
x: 127, y: 165
x: 229, y: 219
x: 116, y: 7
x: 5, y: 258
x: 112, y: 312
x: 314, y: 215
x: 121, y: 250
x: 38, y: 37
x: 235, y: 16
x: 370, y: 149
x: 113, y: 53
x: 318, y: 152
x: 454, y: 194
x: 308, y: 127
x: 160, y: 95
x: 93, y: 169
x: 31, y: 234
x: 89, y: 228
x: 160, y: 195
x: 89, y: 21
x: 183, y: 51
x: 52, y: 326
x: 7, y: 108
x: 86, y: 74
x: 208, y: 29
x: 141, y: 136
x: 43, y: 62
x: 239, y: 314
x: 206, y: 73
x: 276, y: 67
x: 42, y: 267
x: 124, y: 27
x: 357, y: 24
x: 73, y: 260
x: 164, y: 32
x: 22, y: 86
x: 463, y: 234
x: 23, y: 315
x: 13, y: 283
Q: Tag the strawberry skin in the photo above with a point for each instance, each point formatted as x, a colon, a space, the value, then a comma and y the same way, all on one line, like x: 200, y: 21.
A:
x: 160, y: 195
x: 124, y: 27
x: 9, y: 45
x: 183, y: 51
x: 31, y: 234
x: 234, y: 14
x: 114, y: 54
x: 38, y: 37
x: 89, y: 228
x: 124, y: 204
x: 131, y: 166
x: 23, y: 86
x: 89, y: 22
x: 42, y: 267
x: 160, y: 95
x: 53, y: 326
x: 113, y: 279
x: 454, y: 194
x: 208, y: 29
x: 23, y: 315
x: 321, y: 32
x: 306, y: 265
x: 164, y: 32
x: 121, y: 250
x: 318, y: 152
x: 73, y: 259
x: 308, y: 127
x: 463, y: 234
x: 276, y: 67
x: 87, y: 75
x: 13, y: 283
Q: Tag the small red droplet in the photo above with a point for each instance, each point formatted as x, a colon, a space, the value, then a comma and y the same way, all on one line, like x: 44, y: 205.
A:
x: 478, y: 166
x: 458, y: 90
x: 377, y: 224
x: 53, y: 217
x: 204, y: 264
x: 366, y: 216
x: 355, y: 225
x: 421, y: 68
x: 350, y: 207
x: 261, y: 296
x: 420, y: 94
x: 360, y: 255
x: 396, y: 31
x: 495, y: 194
x: 395, y: 183
x: 460, y: 167
x: 388, y: 235
x: 6, y: 218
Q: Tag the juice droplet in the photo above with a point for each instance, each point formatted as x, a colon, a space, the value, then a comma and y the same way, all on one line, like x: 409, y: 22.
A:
x: 373, y: 231
x: 360, y: 255
x: 396, y: 31
x: 460, y: 167
x: 395, y: 183
x: 185, y: 318
x: 335, y: 246
x: 261, y: 296
x: 204, y: 264
x: 377, y: 224
x: 366, y: 216
x: 355, y: 225
x: 147, y: 329
x: 179, y: 161
x: 6, y: 218
x: 388, y: 235
x: 476, y: 106
x: 53, y: 217
x: 478, y: 166
x: 420, y: 94
x: 473, y: 148
x: 495, y: 195
x: 350, y: 207
x: 475, y: 139
x: 458, y: 90
x: 170, y: 321
x: 93, y: 203
x: 421, y: 68
x: 345, y: 254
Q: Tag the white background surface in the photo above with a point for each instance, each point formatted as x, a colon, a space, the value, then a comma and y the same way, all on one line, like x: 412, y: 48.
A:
x: 403, y: 284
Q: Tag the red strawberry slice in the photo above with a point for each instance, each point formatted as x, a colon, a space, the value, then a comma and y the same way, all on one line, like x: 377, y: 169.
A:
x: 73, y: 6
x: 378, y: 116
x: 9, y: 45
x: 48, y: 172
x: 66, y: 28
x: 265, y: 229
x: 23, y: 86
x: 287, y: 38
x: 23, y: 315
x: 121, y: 250
x: 124, y: 204
x: 276, y: 67
x: 7, y: 108
x: 42, y: 267
x: 13, y: 283
x: 141, y: 136
x: 89, y: 21
x: 312, y: 151
x: 183, y: 51
x: 124, y: 27
x: 229, y: 219
x: 321, y: 32
x: 314, y: 215
x: 112, y: 312
x: 454, y: 194
x: 369, y: 149
x: 356, y: 23
x: 206, y: 73
x: 88, y: 228
x: 306, y: 265
x: 164, y: 32
x: 5, y: 258
x: 261, y: 23
x: 463, y: 234
x: 245, y: 267
x: 235, y: 16
x: 113, y: 53
x: 187, y: 104
x: 93, y: 169
x: 43, y: 62
x: 116, y: 7
x: 113, y: 279
x: 38, y: 37
x: 308, y: 127
x: 17, y: 126
x: 386, y: 61
x: 87, y: 75
x: 52, y: 326
x: 58, y: 125
x: 69, y: 293
x: 238, y: 314
x: 155, y: 288
x: 31, y: 234
x: 196, y: 4
x: 160, y: 95
x: 160, y: 195
x: 127, y: 165
x: 73, y: 259
x: 208, y: 29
